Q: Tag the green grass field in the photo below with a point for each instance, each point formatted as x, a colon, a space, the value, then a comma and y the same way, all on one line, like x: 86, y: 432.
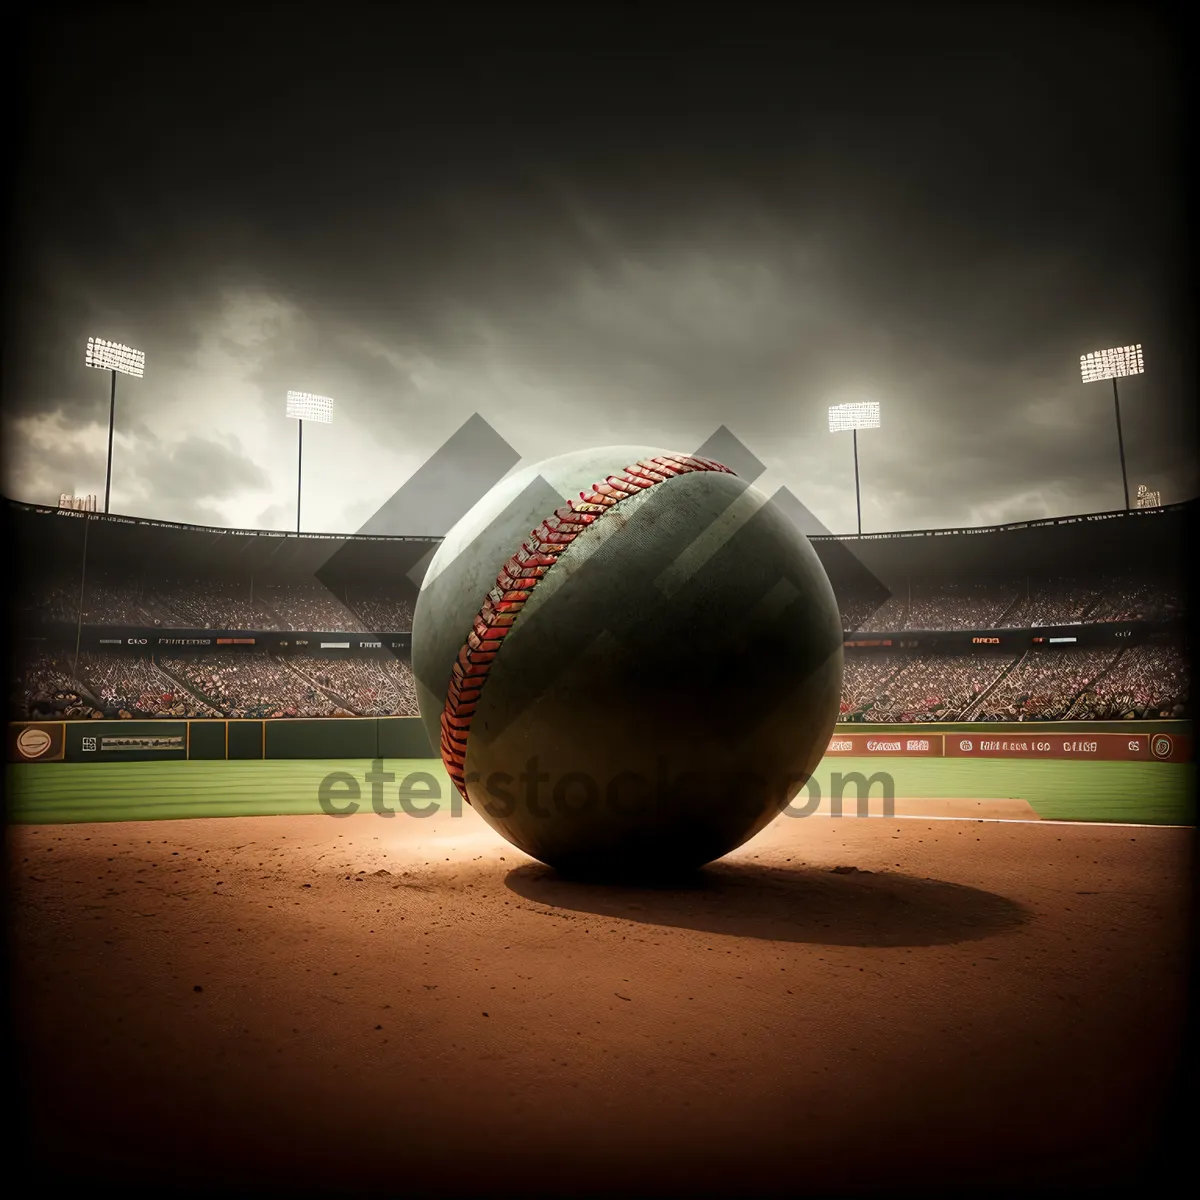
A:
x: 54, y: 793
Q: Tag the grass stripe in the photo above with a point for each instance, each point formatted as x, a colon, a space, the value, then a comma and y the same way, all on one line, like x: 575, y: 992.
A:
x: 1134, y: 792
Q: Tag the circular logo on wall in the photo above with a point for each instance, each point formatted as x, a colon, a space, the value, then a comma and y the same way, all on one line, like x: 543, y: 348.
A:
x: 1160, y: 746
x: 33, y: 743
x: 965, y: 745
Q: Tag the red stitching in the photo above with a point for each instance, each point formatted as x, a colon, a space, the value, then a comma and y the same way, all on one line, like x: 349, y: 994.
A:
x: 519, y: 576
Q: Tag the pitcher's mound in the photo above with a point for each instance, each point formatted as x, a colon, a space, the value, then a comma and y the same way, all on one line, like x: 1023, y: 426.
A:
x: 1001, y: 810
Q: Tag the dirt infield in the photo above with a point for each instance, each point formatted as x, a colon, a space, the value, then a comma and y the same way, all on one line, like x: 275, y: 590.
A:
x: 361, y: 1002
x: 940, y: 806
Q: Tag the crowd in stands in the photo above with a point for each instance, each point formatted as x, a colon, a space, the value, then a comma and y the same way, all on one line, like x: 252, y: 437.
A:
x: 390, y: 612
x: 136, y: 685
x: 1131, y: 599
x: 372, y: 687
x: 1055, y: 601
x: 1013, y: 604
x: 922, y: 687
x: 115, y: 601
x: 56, y: 599
x: 1043, y: 684
x: 858, y: 612
x: 890, y: 614
x: 1068, y: 683
x: 1146, y: 681
x: 864, y: 677
x: 251, y: 685
x: 46, y: 686
x: 208, y: 604
x: 1063, y: 601
x: 958, y: 605
x: 222, y: 684
x: 299, y: 605
x: 310, y: 605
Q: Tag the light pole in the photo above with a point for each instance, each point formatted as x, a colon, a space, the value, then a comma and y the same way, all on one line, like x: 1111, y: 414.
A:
x: 113, y: 357
x: 1114, y: 363
x: 862, y: 414
x: 304, y: 406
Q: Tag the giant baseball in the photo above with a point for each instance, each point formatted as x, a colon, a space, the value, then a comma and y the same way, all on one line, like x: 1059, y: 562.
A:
x: 629, y: 660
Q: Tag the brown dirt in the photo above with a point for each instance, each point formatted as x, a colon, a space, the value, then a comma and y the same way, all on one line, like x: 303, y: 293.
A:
x: 414, y: 1005
x: 939, y: 806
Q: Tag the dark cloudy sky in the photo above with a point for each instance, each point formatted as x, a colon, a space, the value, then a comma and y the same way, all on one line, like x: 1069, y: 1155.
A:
x: 606, y: 230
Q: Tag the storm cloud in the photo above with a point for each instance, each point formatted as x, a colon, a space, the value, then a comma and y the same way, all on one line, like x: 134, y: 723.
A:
x: 591, y: 234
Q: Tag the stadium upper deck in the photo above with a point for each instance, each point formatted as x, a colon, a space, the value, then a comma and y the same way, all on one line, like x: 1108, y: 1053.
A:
x: 118, y: 615
x: 99, y: 570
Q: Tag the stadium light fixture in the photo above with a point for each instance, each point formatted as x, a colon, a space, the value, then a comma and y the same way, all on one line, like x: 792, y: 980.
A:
x: 113, y: 357
x: 1115, y: 363
x: 861, y: 414
x: 304, y: 406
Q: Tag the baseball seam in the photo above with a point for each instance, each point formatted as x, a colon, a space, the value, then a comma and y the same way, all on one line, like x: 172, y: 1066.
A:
x: 520, y: 575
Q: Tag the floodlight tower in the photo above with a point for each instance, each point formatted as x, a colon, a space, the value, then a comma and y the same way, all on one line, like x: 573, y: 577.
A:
x: 114, y: 357
x: 863, y: 414
x: 304, y: 406
x: 1113, y: 364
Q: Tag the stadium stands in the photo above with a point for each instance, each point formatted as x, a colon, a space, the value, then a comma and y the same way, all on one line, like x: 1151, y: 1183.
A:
x: 1042, y: 684
x: 97, y: 616
x: 1028, y: 603
x: 199, y: 604
x: 370, y: 687
x: 310, y: 605
x: 134, y: 684
x: 46, y: 686
x: 1145, y: 681
x: 52, y: 598
x: 251, y: 685
x: 215, y: 604
x: 919, y: 687
x: 379, y: 611
x: 879, y: 686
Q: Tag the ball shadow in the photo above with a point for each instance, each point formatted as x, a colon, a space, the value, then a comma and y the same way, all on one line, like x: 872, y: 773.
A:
x: 840, y: 906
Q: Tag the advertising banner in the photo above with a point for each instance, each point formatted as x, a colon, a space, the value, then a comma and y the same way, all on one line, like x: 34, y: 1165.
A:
x: 126, y: 741
x: 1169, y: 747
x: 155, y: 740
x: 175, y: 642
x: 1096, y: 747
x: 889, y: 745
x: 36, y: 741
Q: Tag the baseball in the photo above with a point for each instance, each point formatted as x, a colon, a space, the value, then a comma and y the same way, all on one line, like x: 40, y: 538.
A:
x: 629, y: 659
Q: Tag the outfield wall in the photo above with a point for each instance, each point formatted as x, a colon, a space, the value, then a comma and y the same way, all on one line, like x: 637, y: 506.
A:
x: 404, y: 737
